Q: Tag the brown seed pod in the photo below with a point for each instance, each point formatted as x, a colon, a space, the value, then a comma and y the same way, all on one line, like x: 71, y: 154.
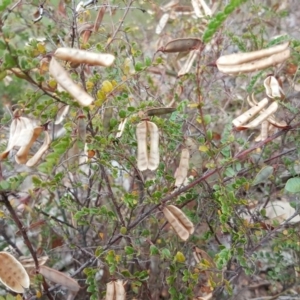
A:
x: 12, y: 273
x: 145, y: 161
x: 60, y: 278
x: 158, y: 111
x: 179, y: 221
x: 84, y: 57
x: 181, y: 45
x: 182, y: 170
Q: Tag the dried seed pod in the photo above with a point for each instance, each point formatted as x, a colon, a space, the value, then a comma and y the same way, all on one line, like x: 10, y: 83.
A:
x: 158, y: 111
x: 84, y: 57
x: 62, y: 77
x: 38, y: 155
x: 22, y: 154
x: 153, y: 159
x: 12, y: 273
x: 120, y: 290
x: 255, y: 65
x: 115, y: 290
x: 182, y: 45
x: 277, y: 124
x: 263, y: 116
x: 110, y: 291
x: 60, y: 278
x: 273, y: 88
x: 246, y: 116
x: 182, y: 171
x: 179, y: 221
x: 62, y: 113
x: 240, y: 58
x: 142, y: 152
x: 162, y: 23
x: 121, y: 128
x: 188, y: 63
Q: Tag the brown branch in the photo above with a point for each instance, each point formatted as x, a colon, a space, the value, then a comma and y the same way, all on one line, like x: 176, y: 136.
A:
x: 21, y: 228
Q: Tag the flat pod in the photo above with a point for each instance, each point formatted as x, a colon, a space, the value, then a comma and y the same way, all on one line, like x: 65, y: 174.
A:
x: 246, y: 116
x: 255, y: 65
x: 273, y: 88
x: 240, y: 58
x: 182, y: 170
x: 263, y: 116
x: 182, y: 45
x: 179, y: 221
x: 158, y: 111
x: 142, y: 152
x: 63, y: 78
x: 84, y: 57
x: 60, y: 278
x: 153, y: 158
x: 12, y: 274
x: 178, y: 213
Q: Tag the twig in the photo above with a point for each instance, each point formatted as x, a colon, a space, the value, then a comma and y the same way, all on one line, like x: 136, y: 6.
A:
x: 21, y: 228
x: 120, y: 24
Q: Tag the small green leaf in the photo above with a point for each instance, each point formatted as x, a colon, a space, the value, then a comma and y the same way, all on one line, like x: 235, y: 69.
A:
x: 129, y: 250
x: 148, y: 61
x: 138, y: 66
x: 122, y: 114
x: 293, y: 185
x: 263, y: 175
x: 4, y: 185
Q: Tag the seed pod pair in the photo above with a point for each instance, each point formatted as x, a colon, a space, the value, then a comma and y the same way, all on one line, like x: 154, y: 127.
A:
x: 253, y: 61
x: 264, y: 114
x: 115, y: 290
x: 144, y: 160
x: 84, y: 57
x: 22, y: 134
x: 12, y: 273
x: 273, y: 88
x: 179, y: 221
x: 182, y: 170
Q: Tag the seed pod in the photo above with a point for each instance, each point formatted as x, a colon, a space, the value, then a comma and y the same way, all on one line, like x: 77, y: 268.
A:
x: 60, y: 278
x: 121, y: 128
x: 115, y: 290
x: 240, y: 58
x: 62, y: 77
x: 179, y: 221
x: 84, y: 57
x: 162, y: 23
x: 38, y: 155
x: 273, y: 88
x: 255, y: 65
x: 12, y: 273
x: 181, y: 45
x: 158, y: 111
x: 263, y: 116
x: 277, y: 124
x: 188, y: 63
x: 142, y: 152
x: 182, y: 171
x: 120, y: 290
x: 246, y: 116
x: 22, y: 154
x: 153, y: 159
